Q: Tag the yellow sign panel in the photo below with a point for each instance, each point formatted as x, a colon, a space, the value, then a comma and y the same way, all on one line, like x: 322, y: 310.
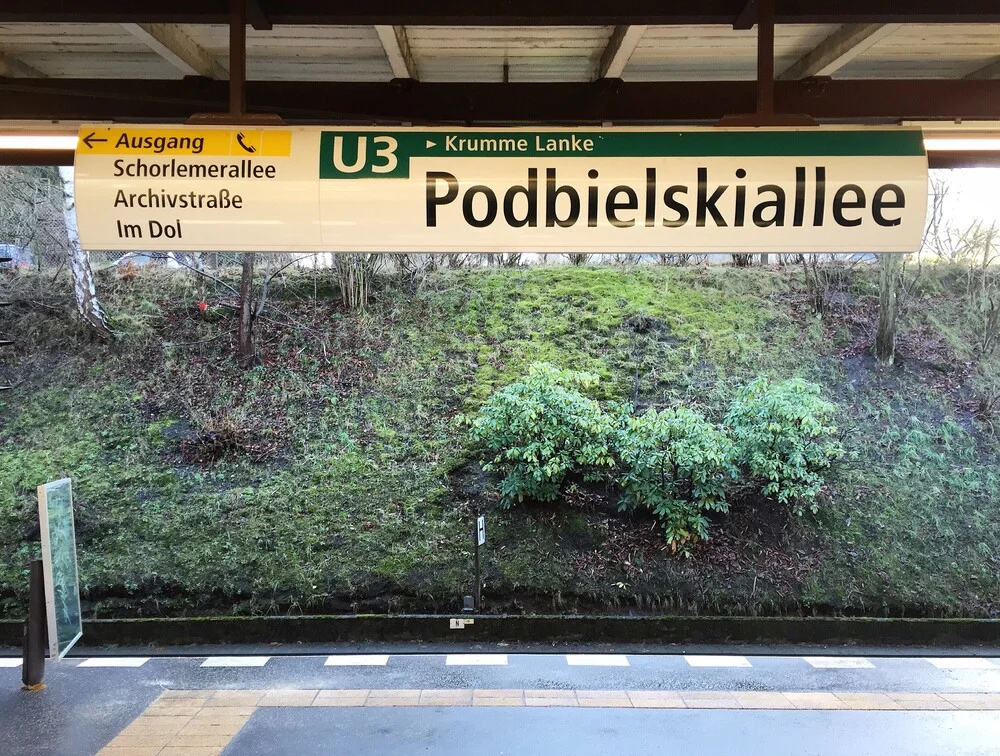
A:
x: 127, y: 140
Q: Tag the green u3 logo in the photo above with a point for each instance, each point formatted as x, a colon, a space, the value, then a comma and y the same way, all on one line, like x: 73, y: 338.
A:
x: 358, y: 155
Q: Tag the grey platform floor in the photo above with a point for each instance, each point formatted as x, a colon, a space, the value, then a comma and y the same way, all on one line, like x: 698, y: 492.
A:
x: 84, y: 707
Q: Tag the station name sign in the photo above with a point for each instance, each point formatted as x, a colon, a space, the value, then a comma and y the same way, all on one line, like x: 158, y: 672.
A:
x: 308, y: 189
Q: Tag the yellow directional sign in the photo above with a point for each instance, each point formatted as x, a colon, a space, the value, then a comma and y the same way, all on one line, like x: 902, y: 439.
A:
x: 186, y: 141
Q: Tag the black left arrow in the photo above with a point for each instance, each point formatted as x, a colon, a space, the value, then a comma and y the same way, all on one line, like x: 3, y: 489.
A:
x: 90, y: 138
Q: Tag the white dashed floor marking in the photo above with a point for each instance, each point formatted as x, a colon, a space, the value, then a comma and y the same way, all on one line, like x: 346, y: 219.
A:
x: 114, y: 661
x: 839, y: 662
x: 959, y: 663
x: 456, y: 660
x: 717, y: 661
x: 965, y: 662
x: 235, y: 661
x: 357, y: 660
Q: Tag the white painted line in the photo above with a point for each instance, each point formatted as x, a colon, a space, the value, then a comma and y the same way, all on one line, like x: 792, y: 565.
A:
x: 597, y: 660
x: 357, y: 660
x: 717, y: 661
x: 114, y: 661
x: 235, y: 661
x: 962, y: 662
x: 839, y: 662
x: 10, y: 662
x: 461, y: 660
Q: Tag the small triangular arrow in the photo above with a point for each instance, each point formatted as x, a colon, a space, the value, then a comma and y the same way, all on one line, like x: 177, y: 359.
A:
x: 431, y: 144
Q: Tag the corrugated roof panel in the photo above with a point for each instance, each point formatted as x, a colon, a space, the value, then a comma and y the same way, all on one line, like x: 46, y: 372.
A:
x: 303, y: 53
x: 489, y: 69
x: 946, y: 40
x: 559, y: 53
x: 319, y: 69
x: 123, y: 65
x: 696, y: 53
x: 99, y: 51
x: 927, y: 51
x: 215, y: 38
x: 493, y: 38
x: 15, y: 38
x: 913, y: 68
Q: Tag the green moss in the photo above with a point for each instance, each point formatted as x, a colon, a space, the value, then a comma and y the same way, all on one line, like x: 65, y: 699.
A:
x: 348, y: 489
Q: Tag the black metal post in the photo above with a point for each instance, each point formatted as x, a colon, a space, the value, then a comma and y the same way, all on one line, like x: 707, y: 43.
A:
x: 237, y: 58
x: 35, y: 631
x: 765, y: 58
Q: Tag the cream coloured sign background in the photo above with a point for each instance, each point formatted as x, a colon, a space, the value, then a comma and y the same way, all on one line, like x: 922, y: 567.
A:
x: 528, y: 190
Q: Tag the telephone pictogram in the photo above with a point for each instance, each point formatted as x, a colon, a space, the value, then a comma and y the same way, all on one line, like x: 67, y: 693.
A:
x: 244, y: 145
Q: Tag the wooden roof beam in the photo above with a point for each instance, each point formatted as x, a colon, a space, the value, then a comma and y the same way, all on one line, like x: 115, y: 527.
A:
x: 837, y: 50
x: 12, y: 67
x: 500, y: 12
x: 990, y: 71
x: 171, y: 43
x: 827, y: 100
x: 621, y: 45
x: 397, y: 49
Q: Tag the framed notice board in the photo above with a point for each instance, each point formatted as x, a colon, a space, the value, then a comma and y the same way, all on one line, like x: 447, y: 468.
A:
x: 62, y: 586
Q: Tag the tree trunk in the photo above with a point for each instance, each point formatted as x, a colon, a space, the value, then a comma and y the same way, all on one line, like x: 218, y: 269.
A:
x: 84, y: 290
x: 246, y: 355
x: 890, y: 279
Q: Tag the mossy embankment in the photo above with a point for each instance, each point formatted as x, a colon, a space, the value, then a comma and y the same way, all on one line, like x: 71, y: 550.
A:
x: 334, y: 478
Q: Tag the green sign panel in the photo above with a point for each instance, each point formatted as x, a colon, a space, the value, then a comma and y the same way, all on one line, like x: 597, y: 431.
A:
x: 368, y: 154
x: 62, y: 586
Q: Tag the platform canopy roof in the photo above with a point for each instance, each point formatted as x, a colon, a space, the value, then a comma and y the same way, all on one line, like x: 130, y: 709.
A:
x: 458, y: 61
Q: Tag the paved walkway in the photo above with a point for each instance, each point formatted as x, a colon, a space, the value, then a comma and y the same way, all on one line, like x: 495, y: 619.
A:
x: 504, y: 703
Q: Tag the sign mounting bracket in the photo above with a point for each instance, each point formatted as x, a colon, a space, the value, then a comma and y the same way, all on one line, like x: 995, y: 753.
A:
x: 237, y: 115
x: 765, y: 115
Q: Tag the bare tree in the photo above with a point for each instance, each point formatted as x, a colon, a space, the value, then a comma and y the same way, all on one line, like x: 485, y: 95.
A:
x: 984, y: 287
x: 626, y: 258
x: 826, y: 278
x: 355, y: 275
x: 245, y: 351
x: 84, y: 291
x: 680, y: 260
x: 742, y: 261
x: 509, y: 260
x: 890, y: 285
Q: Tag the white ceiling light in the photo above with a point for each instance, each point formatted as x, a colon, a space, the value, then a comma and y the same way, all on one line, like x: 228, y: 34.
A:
x: 962, y: 144
x: 962, y: 136
x: 37, y: 142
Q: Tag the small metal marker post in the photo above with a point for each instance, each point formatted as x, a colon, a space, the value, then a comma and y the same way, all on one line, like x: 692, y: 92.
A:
x: 479, y: 537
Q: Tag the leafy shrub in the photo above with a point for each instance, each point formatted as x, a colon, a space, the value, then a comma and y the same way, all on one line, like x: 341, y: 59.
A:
x: 540, y: 428
x: 783, y: 434
x: 677, y: 465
